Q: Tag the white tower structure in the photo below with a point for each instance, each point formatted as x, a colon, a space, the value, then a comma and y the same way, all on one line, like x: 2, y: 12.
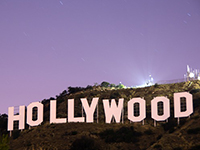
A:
x: 192, y: 74
x: 150, y: 81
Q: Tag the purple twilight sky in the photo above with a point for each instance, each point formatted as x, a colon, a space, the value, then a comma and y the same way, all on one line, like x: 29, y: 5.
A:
x: 49, y: 45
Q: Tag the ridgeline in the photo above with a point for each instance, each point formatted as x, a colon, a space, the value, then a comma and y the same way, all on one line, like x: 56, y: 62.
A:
x: 99, y: 136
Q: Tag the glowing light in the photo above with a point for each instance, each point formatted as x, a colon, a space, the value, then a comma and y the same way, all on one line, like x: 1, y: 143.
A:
x: 198, y: 78
x: 191, y: 75
x: 148, y: 83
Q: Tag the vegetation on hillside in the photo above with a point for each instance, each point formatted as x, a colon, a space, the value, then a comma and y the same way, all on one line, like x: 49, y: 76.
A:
x: 166, y: 135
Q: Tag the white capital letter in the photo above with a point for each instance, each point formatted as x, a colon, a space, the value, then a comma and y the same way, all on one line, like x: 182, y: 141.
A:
x: 12, y: 117
x: 89, y: 110
x: 53, y: 118
x: 154, y: 108
x: 142, y: 109
x: 71, y: 117
x: 39, y: 107
x: 113, y: 110
x: 177, y: 104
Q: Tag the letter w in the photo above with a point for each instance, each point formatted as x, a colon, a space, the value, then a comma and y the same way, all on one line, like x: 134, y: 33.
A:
x: 113, y: 110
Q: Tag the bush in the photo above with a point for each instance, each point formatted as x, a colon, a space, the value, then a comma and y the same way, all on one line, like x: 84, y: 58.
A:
x: 124, y: 134
x: 3, y: 124
x: 15, y: 134
x: 193, y: 131
x: 159, y: 137
x: 157, y: 146
x: 72, y: 90
x: 74, y: 133
x: 196, y: 147
x: 170, y: 125
x: 148, y: 132
x: 194, y: 91
x: 156, y: 85
x: 177, y: 148
x: 4, y: 142
x: 114, y: 95
x: 85, y: 143
x: 105, y: 84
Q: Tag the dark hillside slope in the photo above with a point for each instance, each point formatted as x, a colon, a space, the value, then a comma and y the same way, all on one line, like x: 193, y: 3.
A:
x: 166, y: 135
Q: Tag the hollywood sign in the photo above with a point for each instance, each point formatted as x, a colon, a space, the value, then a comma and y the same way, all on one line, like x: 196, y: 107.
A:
x: 110, y: 110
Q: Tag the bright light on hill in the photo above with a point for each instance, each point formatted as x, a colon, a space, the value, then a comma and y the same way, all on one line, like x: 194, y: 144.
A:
x: 150, y: 82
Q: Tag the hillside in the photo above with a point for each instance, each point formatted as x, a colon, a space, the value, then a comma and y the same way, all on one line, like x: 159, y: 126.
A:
x: 166, y: 135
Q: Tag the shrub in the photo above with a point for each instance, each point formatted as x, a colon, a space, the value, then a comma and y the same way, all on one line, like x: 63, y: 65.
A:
x: 194, y: 91
x: 85, y: 143
x: 105, y: 84
x: 157, y: 146
x: 4, y: 142
x: 148, y: 132
x: 124, y: 134
x: 196, y: 147
x: 156, y: 85
x: 170, y: 125
x: 159, y: 137
x: 193, y: 131
x: 15, y: 134
x: 177, y: 148
x: 74, y: 133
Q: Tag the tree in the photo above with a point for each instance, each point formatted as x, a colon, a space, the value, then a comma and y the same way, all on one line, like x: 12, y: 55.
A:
x: 120, y: 86
x: 105, y: 84
x: 74, y: 89
x: 112, y: 85
x: 3, y: 124
x: 89, y: 87
x: 4, y: 142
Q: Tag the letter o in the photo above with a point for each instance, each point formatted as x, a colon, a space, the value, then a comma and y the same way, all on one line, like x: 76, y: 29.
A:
x: 154, y: 108
x: 142, y: 108
x: 39, y: 113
